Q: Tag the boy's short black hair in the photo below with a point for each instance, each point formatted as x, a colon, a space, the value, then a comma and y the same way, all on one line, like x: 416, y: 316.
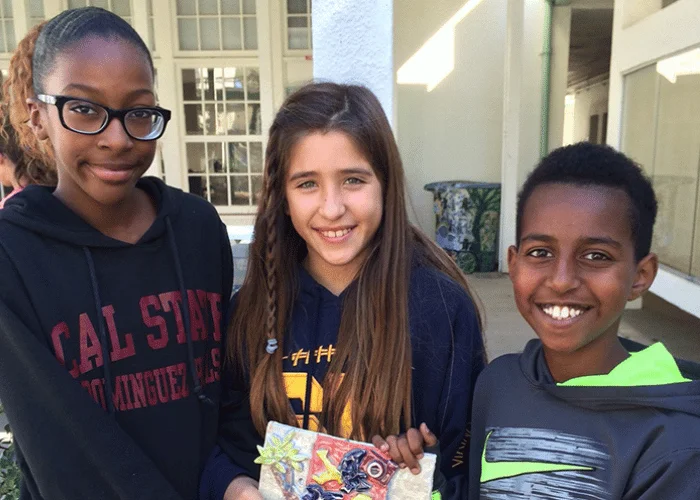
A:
x: 586, y: 164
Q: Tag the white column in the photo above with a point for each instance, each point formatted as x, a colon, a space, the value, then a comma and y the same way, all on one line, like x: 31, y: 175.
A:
x: 353, y: 43
x: 510, y: 146
x: 168, y: 91
x: 561, y: 36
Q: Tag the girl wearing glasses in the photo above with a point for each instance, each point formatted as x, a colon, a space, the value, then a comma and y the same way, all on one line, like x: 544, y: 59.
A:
x: 114, y: 287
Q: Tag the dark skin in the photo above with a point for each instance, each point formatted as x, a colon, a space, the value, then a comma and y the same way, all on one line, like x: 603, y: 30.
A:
x: 576, y: 254
x: 97, y: 174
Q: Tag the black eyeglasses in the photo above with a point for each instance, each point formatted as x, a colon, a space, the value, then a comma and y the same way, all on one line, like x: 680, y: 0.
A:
x: 89, y: 118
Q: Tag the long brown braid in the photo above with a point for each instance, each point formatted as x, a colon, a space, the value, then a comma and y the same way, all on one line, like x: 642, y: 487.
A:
x: 37, y: 166
x: 371, y: 370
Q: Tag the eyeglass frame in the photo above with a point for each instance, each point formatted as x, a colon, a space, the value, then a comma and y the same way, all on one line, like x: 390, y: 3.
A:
x: 60, y: 100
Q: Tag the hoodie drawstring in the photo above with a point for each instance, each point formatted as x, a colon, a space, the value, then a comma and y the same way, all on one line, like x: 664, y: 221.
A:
x: 186, y: 315
x: 106, y: 363
x: 104, y: 341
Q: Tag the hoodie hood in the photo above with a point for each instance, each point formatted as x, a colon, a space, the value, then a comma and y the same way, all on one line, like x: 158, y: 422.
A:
x: 608, y: 394
x: 37, y: 209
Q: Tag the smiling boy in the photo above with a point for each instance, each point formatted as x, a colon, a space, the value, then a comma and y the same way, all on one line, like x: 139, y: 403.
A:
x: 576, y: 416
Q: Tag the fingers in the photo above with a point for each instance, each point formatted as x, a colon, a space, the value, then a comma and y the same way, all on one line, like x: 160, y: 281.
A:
x: 379, y: 442
x: 415, y: 442
x: 409, y: 458
x: 394, y: 450
x: 429, y: 438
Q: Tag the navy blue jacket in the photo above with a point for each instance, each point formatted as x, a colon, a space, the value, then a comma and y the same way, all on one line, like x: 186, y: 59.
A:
x: 448, y: 355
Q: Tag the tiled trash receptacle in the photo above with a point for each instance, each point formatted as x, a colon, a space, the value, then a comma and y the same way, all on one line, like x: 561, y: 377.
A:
x: 467, y: 218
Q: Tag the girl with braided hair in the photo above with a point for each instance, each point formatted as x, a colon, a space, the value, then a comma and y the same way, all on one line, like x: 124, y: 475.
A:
x: 349, y: 320
x: 114, y: 287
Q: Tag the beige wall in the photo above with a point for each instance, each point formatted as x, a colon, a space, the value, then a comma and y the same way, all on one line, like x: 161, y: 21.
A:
x: 454, y: 131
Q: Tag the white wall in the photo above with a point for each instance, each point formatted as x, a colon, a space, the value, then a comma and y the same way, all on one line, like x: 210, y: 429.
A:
x: 454, y: 131
x: 589, y: 101
x: 660, y: 34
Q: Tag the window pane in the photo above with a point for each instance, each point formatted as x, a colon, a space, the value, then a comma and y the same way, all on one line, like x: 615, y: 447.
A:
x: 638, y: 115
x: 121, y: 7
x: 240, y: 190
x: 253, y: 84
x: 215, y: 155
x: 254, y: 126
x: 249, y: 6
x: 238, y: 157
x: 193, y: 119
x: 297, y: 33
x: 187, y: 34
x: 250, y: 30
x: 219, y: 190
x: 196, y: 161
x: 231, y: 27
x: 257, y: 187
x: 186, y: 8
x: 208, y: 7
x: 152, y: 35
x: 256, y: 157
x: 198, y: 185
x: 209, y: 119
x: 206, y: 80
x: 297, y: 22
x: 234, y: 84
x: 10, y: 35
x: 230, y: 6
x: 103, y: 4
x: 235, y: 119
x: 676, y: 168
x: 35, y: 8
x: 209, y: 33
x: 75, y: 4
x: 296, y: 6
x: 191, y: 91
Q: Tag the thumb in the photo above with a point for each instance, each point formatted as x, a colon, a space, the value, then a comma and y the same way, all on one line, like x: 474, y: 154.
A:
x: 428, y: 437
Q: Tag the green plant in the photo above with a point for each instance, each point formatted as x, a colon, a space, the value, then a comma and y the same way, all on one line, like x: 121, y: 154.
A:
x: 284, y: 458
x: 9, y: 472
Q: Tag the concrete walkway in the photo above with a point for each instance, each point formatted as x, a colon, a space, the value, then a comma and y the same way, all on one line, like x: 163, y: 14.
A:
x: 507, y: 331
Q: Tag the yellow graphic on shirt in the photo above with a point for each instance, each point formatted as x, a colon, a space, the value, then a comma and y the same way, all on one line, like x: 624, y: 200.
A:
x: 296, y: 384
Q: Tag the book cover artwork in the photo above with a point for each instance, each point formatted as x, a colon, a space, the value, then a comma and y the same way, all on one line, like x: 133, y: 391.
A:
x: 297, y: 464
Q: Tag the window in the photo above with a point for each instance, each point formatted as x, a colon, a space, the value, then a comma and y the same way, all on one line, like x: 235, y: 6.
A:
x: 122, y: 8
x: 35, y: 11
x: 298, y: 25
x: 217, y: 25
x: 7, y: 28
x: 661, y: 131
x: 223, y: 141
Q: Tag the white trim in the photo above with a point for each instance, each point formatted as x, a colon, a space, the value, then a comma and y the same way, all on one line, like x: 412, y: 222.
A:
x: 678, y: 289
x: 52, y: 8
x: 265, y: 71
x: 276, y: 54
x: 510, y: 145
x: 168, y: 93
x: 20, y: 19
x: 139, y: 20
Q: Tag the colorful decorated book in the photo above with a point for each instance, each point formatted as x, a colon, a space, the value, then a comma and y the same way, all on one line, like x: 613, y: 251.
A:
x: 305, y: 465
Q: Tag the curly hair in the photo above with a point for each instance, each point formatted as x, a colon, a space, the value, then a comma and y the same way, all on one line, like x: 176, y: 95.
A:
x: 34, y: 159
